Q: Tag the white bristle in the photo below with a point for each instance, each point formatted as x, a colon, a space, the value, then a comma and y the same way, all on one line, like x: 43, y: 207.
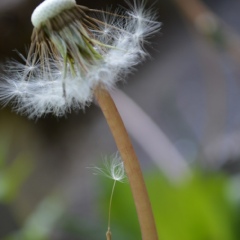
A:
x: 49, y: 9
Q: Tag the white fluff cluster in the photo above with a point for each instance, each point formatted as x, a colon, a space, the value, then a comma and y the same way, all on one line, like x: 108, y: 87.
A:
x: 113, y: 168
x: 43, y: 94
x: 50, y: 84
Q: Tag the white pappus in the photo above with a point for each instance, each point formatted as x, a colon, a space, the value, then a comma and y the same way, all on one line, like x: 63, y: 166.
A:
x: 112, y: 168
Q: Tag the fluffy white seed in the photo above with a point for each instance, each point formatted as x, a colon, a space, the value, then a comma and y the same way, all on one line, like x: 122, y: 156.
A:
x: 113, y: 168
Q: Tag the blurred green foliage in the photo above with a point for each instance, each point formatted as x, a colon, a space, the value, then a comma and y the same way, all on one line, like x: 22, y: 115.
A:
x: 41, y: 222
x: 12, y: 173
x: 195, y: 209
x: 205, y: 206
x: 198, y: 208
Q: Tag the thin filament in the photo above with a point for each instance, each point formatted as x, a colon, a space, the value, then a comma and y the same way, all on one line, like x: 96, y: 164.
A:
x: 110, y: 206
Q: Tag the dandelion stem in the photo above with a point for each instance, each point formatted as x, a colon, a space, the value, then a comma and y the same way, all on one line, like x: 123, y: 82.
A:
x: 110, y: 205
x: 132, y: 166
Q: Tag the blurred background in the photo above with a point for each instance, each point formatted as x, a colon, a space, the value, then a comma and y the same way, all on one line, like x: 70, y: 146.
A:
x: 181, y: 108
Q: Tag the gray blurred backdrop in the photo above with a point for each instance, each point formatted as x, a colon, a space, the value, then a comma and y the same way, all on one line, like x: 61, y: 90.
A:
x: 186, y: 97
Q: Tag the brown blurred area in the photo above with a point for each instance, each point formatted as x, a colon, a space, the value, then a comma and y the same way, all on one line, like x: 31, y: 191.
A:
x: 189, y: 87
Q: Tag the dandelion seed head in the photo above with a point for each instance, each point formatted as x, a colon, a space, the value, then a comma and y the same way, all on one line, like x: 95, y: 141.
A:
x: 73, y: 50
x: 113, y: 168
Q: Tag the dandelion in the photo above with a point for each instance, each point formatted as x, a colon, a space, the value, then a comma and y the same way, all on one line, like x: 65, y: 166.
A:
x: 78, y: 53
x: 114, y: 169
x: 74, y: 50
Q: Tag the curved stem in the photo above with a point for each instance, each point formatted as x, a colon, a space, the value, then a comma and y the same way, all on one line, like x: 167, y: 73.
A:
x: 131, y: 164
